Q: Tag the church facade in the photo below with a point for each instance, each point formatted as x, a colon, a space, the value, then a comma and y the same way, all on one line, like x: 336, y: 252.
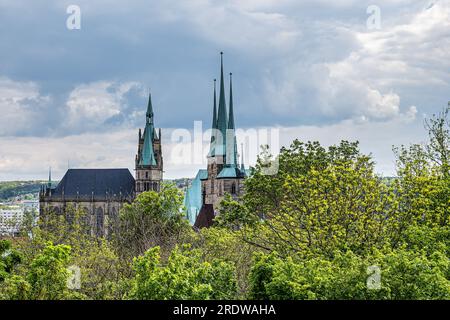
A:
x: 101, y: 193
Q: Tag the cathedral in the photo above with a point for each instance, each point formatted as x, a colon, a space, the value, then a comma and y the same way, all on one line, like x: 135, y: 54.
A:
x: 102, y: 192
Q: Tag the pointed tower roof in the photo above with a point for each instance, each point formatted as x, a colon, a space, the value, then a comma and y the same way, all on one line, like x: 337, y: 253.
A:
x: 222, y: 113
x: 231, y: 112
x: 149, y: 113
x: 231, y: 138
x: 214, y: 124
x: 148, y: 155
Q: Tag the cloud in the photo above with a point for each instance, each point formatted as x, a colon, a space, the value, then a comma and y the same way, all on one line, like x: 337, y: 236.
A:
x: 95, y: 105
x: 21, y: 106
x: 311, y: 66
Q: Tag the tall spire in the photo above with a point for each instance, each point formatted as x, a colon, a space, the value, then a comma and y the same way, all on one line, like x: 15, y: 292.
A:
x: 149, y: 114
x: 213, y: 125
x: 214, y: 122
x: 148, y: 156
x: 222, y: 113
x: 231, y: 138
x: 231, y: 113
x: 49, y: 183
x: 242, y: 158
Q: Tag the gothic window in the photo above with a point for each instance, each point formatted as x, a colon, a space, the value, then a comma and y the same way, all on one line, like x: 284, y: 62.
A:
x: 146, y: 174
x: 100, y: 221
x: 233, y: 188
x: 212, y: 186
x: 114, y: 218
x: 203, y: 195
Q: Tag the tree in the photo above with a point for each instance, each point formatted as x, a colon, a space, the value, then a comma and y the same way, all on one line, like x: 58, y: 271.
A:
x: 227, y: 245
x: 101, y: 269
x: 403, y: 274
x: 9, y: 258
x: 438, y: 148
x: 153, y: 219
x: 319, y: 201
x: 45, y: 279
x: 423, y: 184
x: 184, y: 276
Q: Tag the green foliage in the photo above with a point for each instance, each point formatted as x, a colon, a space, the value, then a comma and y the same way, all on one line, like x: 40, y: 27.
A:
x: 153, y: 219
x: 101, y: 269
x: 9, y: 258
x: 45, y: 279
x: 226, y: 245
x: 404, y: 275
x: 184, y: 276
x: 319, y: 201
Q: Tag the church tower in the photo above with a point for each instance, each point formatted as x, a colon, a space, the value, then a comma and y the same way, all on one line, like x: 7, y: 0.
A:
x: 224, y: 173
x: 149, y: 161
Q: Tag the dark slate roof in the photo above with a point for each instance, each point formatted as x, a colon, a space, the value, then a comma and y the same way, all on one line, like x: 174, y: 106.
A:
x: 205, y: 217
x: 82, y: 182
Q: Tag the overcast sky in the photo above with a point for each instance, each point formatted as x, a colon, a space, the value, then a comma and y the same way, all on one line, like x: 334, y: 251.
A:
x: 311, y: 69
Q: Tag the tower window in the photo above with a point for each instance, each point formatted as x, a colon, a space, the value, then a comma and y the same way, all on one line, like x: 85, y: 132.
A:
x: 233, y: 188
x: 146, y: 174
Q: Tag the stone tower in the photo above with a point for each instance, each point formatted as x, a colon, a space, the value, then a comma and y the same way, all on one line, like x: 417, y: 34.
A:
x: 149, y: 160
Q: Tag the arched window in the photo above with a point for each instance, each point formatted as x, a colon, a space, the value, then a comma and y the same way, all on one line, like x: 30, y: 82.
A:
x: 100, y: 222
x: 233, y: 188
x: 146, y: 174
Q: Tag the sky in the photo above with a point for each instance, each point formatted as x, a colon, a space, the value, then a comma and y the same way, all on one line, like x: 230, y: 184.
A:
x: 312, y: 70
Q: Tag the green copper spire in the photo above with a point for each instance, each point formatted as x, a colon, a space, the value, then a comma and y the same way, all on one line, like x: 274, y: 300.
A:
x: 222, y: 113
x: 148, y: 155
x: 231, y: 138
x: 149, y: 109
x: 214, y: 124
x: 231, y: 113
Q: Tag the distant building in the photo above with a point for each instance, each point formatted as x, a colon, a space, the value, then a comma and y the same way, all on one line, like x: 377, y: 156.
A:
x: 102, y: 192
x: 30, y: 205
x: 223, y: 174
x: 11, y: 218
